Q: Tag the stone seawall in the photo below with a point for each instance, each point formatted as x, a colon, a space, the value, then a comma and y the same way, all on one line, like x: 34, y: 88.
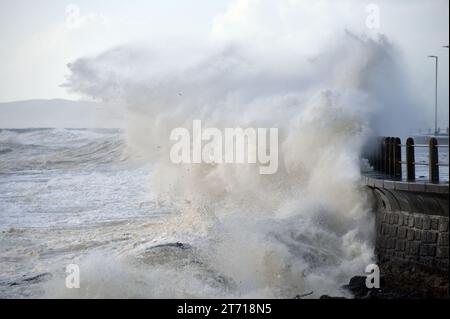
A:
x: 412, y: 230
x: 414, y: 239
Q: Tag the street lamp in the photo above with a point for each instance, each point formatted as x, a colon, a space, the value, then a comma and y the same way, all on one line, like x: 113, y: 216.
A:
x: 435, y: 93
x: 446, y: 47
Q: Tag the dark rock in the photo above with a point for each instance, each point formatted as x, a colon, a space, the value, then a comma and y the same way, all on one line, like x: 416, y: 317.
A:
x: 357, y: 286
x: 330, y: 297
x: 29, y: 280
x: 171, y: 245
x: 399, y: 284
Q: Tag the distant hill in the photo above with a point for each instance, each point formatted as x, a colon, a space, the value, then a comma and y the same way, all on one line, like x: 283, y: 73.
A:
x: 59, y: 113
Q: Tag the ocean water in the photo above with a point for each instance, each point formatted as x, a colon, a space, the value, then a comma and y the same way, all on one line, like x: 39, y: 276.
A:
x: 72, y: 196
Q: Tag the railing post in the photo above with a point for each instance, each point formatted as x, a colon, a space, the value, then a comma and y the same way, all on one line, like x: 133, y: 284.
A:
x: 387, y: 154
x: 375, y: 155
x: 433, y: 160
x: 410, y: 160
x: 397, y: 157
x: 392, y: 156
x: 380, y: 154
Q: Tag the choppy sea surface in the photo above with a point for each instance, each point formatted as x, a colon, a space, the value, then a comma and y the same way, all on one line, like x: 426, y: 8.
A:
x: 63, y: 193
x: 74, y: 196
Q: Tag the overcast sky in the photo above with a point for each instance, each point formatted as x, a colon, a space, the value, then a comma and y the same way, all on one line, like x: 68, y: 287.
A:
x: 38, y: 38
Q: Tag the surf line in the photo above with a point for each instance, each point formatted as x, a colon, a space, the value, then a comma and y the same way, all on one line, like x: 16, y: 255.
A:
x: 234, y: 146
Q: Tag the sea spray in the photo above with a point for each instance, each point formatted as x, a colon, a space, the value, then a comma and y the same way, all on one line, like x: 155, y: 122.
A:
x: 305, y: 228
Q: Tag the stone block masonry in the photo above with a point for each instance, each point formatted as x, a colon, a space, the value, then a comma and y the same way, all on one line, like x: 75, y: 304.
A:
x: 413, y: 239
x: 412, y: 230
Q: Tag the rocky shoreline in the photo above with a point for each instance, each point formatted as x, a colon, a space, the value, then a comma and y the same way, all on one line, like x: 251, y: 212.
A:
x: 408, y: 284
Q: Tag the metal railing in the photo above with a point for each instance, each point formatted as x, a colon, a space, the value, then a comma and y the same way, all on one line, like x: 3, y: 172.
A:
x: 386, y: 158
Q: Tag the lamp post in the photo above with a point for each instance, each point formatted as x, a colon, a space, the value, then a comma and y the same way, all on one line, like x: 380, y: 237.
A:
x: 446, y: 47
x: 435, y: 93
